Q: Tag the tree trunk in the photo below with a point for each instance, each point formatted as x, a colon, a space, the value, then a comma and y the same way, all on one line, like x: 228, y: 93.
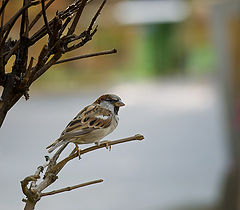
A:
x: 29, y: 205
x: 9, y: 97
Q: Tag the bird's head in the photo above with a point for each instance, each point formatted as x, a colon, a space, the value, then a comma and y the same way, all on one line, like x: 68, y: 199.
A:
x: 111, y: 102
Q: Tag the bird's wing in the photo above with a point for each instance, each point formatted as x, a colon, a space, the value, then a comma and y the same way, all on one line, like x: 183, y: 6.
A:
x: 91, y: 118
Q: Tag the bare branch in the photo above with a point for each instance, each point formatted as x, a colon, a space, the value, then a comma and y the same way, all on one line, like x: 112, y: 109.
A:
x: 69, y: 11
x: 22, y: 52
x: 26, y: 78
x: 87, y: 34
x: 8, y: 26
x: 2, y: 15
x: 2, y: 71
x: 34, y: 193
x: 30, y: 65
x: 77, y: 17
x: 87, y: 56
x: 96, y: 15
x: 45, y: 19
x: 44, y: 68
x: 71, y: 188
x: 40, y: 14
x: 24, y: 16
x: 54, y: 40
x: 41, y: 57
x: 67, y: 21
x: 62, y: 163
x: 16, y: 83
x: 25, y: 182
x: 11, y: 22
x: 11, y: 52
x: 4, y: 3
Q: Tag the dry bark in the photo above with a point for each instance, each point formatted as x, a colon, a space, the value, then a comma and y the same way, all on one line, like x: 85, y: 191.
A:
x: 24, y: 71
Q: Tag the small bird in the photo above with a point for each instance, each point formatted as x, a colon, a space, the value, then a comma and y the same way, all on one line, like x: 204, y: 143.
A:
x: 91, y: 124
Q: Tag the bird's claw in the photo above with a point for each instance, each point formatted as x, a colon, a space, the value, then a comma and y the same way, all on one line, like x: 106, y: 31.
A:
x: 78, y: 151
x: 108, y: 147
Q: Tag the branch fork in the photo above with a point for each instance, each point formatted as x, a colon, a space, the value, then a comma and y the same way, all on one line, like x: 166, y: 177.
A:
x: 25, y: 71
x: 52, y: 167
x: 17, y: 83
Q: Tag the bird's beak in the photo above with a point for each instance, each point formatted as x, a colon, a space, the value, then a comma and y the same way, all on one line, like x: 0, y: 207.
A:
x: 119, y: 103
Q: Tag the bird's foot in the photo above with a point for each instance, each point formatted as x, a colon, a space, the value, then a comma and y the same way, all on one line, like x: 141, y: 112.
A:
x: 106, y: 142
x: 78, y: 151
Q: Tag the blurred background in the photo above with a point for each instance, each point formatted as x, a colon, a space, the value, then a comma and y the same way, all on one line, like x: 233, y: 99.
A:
x: 177, y: 70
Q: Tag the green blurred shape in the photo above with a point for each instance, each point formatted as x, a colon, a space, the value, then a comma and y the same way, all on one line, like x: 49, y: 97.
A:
x: 201, y: 59
x: 158, y: 52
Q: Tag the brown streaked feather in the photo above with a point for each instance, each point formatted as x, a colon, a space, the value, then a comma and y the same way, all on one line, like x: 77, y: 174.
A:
x: 90, y: 118
x: 101, y: 98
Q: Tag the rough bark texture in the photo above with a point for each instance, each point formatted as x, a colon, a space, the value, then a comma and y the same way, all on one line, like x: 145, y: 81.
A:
x: 25, y: 71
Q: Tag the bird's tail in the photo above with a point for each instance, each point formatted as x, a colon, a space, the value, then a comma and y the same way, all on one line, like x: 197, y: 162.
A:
x: 55, y: 144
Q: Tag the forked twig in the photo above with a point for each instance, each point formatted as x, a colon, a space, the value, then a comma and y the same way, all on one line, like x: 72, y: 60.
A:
x: 34, y: 192
x: 40, y: 14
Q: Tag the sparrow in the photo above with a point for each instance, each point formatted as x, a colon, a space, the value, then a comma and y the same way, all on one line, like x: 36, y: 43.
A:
x: 92, y: 123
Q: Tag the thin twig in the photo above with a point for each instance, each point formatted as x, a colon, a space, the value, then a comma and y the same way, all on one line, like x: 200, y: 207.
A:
x: 2, y: 72
x: 87, y: 36
x: 71, y: 188
x: 22, y: 28
x: 71, y: 10
x: 10, y: 53
x: 22, y: 53
x: 2, y: 15
x: 89, y: 33
x: 87, y: 56
x: 4, y: 3
x: 96, y: 15
x: 67, y: 21
x: 40, y: 14
x: 8, y: 26
x: 45, y: 19
x: 54, y: 40
x: 77, y: 17
x: 11, y: 22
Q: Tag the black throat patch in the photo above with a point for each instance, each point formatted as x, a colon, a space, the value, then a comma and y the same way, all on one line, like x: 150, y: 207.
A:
x: 116, y: 109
